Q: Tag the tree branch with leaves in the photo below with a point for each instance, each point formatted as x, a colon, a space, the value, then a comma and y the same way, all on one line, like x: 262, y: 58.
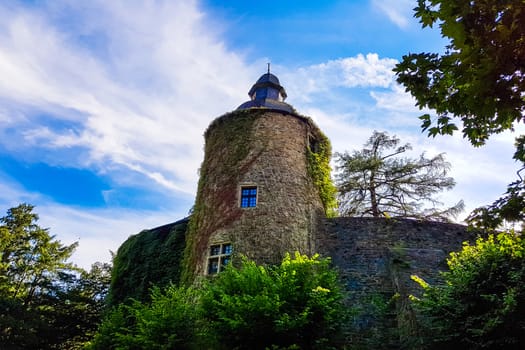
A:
x: 479, y: 81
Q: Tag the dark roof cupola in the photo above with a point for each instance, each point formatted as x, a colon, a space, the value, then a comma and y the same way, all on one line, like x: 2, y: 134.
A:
x: 267, y: 92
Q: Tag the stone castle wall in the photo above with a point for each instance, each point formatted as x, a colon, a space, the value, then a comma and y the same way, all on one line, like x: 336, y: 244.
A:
x: 376, y: 257
x: 264, y: 149
x: 380, y: 254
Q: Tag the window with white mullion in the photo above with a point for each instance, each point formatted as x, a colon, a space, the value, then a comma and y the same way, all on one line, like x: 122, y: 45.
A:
x: 219, y: 257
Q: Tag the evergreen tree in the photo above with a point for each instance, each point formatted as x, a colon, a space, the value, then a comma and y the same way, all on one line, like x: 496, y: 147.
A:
x: 46, y: 302
x: 31, y: 258
x: 376, y: 181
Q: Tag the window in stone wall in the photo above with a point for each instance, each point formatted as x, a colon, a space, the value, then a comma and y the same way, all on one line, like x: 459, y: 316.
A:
x: 220, y: 256
x: 248, y: 197
x: 313, y: 144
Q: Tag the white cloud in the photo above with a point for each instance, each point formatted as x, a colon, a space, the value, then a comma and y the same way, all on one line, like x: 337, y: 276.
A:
x: 160, y: 79
x: 395, y: 99
x: 98, y: 230
x: 398, y: 11
x: 342, y: 129
x: 360, y: 71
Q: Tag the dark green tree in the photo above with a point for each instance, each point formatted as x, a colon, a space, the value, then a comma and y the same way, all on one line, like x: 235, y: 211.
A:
x: 482, y: 302
x: 507, y: 209
x: 46, y: 302
x: 30, y: 257
x: 376, y: 181
x: 478, y: 80
x: 32, y: 262
x: 79, y: 304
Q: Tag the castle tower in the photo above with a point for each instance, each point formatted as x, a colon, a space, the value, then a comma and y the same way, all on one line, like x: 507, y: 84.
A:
x: 264, y: 183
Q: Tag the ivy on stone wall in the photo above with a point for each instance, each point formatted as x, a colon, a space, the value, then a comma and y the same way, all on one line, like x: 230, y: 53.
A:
x: 228, y: 138
x: 151, y: 257
x: 229, y: 142
x: 319, y: 170
x: 234, y: 138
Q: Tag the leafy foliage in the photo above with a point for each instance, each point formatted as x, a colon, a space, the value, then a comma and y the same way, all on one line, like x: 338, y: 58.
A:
x: 481, y: 76
x: 46, y: 302
x: 510, y: 208
x: 376, y: 182
x: 482, y: 304
x: 319, y: 169
x: 296, y: 305
x: 507, y: 209
x: 80, y: 305
x: 152, y: 257
x: 480, y: 80
x: 168, y: 321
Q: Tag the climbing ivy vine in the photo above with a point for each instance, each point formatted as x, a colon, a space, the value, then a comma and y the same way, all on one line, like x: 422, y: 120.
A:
x: 228, y: 143
x: 319, y: 170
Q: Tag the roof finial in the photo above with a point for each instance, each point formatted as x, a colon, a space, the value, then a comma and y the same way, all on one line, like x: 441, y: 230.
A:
x: 268, y: 67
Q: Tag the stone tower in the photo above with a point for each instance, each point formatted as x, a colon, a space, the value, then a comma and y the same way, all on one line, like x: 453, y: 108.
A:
x: 264, y: 183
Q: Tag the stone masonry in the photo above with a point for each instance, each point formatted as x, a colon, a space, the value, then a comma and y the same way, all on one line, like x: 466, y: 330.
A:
x: 288, y: 203
x: 370, y: 252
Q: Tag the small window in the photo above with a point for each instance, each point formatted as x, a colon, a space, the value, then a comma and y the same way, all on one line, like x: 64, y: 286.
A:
x: 215, y: 250
x: 248, y: 197
x: 227, y: 249
x: 213, y: 266
x: 313, y: 144
x: 220, y: 256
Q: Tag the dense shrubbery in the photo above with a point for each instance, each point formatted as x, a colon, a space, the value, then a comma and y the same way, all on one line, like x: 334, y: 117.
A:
x: 482, y: 303
x: 167, y: 322
x: 296, y: 305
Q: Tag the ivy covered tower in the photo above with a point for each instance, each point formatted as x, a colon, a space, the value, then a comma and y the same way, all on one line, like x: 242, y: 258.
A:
x: 264, y: 183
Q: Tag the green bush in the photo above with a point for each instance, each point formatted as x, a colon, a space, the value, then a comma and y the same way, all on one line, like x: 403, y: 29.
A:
x: 167, y: 322
x: 482, y: 303
x: 296, y: 305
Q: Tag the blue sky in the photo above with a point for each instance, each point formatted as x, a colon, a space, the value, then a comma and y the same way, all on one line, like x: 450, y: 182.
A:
x: 103, y: 104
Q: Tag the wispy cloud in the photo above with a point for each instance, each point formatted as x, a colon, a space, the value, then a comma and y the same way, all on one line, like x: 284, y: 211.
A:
x: 110, y: 228
x: 122, y: 91
x: 142, y: 103
x: 98, y: 230
x: 360, y: 71
x: 398, y: 11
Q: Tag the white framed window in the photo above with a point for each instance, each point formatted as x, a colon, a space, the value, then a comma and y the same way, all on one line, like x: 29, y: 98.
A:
x: 219, y: 257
